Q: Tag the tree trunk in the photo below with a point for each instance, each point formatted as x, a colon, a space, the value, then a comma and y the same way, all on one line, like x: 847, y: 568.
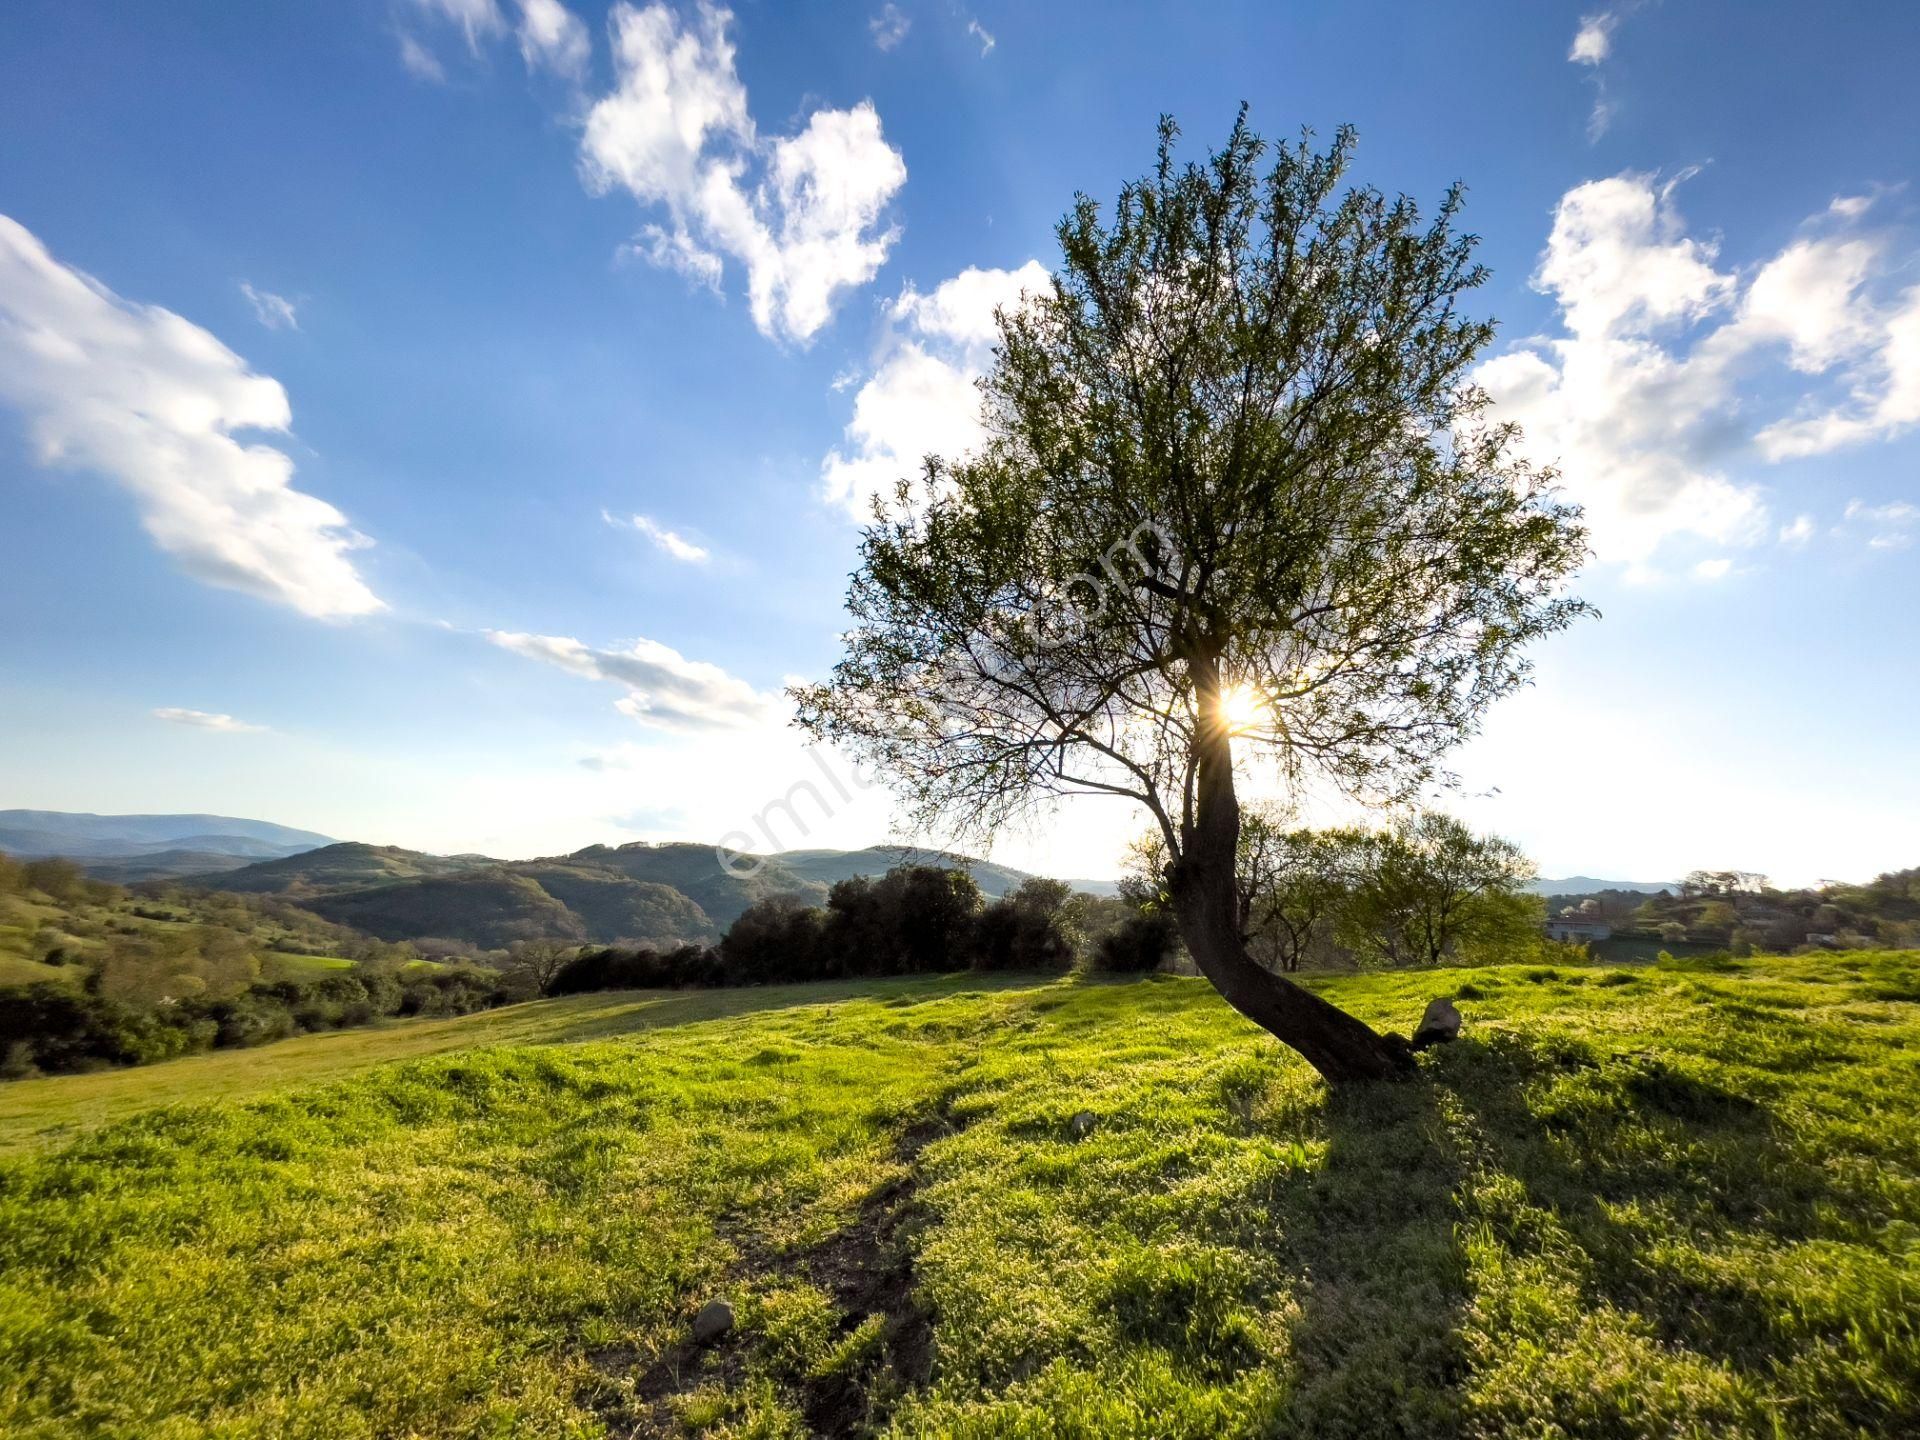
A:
x: 1206, y: 902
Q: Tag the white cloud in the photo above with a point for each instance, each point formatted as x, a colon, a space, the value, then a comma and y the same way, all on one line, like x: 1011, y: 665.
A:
x: 889, y: 27
x: 664, y: 540
x: 983, y: 35
x: 206, y: 720
x: 1882, y: 348
x: 553, y: 38
x: 273, y: 311
x: 1798, y: 531
x: 1717, y: 568
x: 1644, y: 400
x: 1891, y: 526
x: 1593, y: 41
x: 923, y: 397
x: 419, y: 61
x: 665, y: 690
x: 801, y: 213
x: 139, y: 394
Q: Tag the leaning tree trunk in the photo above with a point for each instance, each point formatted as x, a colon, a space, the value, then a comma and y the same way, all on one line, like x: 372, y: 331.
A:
x: 1206, y: 902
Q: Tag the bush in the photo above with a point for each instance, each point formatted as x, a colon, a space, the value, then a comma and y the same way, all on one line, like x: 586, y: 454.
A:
x: 1139, y: 944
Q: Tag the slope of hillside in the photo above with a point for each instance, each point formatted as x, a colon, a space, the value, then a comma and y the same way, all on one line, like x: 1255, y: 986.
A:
x: 1648, y: 1203
x: 615, y: 907
x: 491, y: 908
x: 696, y: 872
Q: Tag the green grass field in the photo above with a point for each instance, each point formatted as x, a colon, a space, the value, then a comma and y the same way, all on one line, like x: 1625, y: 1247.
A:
x: 1661, y: 1202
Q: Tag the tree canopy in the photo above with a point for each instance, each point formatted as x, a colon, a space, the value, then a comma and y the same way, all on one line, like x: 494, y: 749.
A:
x: 1239, y: 497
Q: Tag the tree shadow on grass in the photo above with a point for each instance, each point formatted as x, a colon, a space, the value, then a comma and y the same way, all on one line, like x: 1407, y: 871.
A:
x: 662, y: 1009
x: 1369, y: 1240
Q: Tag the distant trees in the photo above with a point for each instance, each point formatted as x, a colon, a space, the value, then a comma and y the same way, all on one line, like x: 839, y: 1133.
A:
x: 1429, y: 887
x: 1421, y: 892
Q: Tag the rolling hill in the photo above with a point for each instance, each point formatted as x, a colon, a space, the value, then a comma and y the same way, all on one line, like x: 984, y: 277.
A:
x: 664, y: 893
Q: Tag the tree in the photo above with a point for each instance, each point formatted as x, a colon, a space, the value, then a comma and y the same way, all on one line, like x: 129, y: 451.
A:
x: 537, y: 962
x: 1302, y: 887
x: 1236, y: 486
x: 1428, y: 886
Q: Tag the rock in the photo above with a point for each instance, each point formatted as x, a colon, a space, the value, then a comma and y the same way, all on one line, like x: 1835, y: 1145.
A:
x: 713, y: 1321
x: 1081, y: 1125
x: 1440, y: 1024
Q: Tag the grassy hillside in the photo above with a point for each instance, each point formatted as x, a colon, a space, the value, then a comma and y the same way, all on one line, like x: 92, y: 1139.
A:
x: 695, y: 871
x: 489, y: 908
x: 1658, y: 1202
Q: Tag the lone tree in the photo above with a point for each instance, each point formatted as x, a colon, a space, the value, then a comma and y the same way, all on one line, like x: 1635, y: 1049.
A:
x: 1239, y: 493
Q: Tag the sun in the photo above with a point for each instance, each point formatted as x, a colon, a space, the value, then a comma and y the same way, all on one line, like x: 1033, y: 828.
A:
x: 1244, y: 708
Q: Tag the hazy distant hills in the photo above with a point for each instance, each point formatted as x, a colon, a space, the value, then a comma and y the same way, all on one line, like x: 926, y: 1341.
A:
x: 126, y: 848
x: 1587, y: 885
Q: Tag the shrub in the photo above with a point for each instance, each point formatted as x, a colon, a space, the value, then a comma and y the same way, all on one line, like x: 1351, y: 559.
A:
x: 1138, y: 945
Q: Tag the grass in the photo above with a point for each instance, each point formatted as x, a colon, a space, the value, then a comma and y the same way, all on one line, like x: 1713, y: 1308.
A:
x: 1678, y: 1200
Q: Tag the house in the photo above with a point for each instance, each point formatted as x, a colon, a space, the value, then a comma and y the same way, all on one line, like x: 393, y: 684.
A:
x: 1577, y: 928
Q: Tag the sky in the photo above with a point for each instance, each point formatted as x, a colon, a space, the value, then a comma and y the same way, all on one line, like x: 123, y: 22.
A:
x: 446, y: 423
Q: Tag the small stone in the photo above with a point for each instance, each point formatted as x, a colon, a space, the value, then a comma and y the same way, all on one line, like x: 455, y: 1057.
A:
x: 1440, y: 1024
x: 713, y: 1321
x: 1081, y: 1125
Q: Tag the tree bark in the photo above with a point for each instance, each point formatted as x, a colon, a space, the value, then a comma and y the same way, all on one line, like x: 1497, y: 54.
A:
x: 1206, y: 902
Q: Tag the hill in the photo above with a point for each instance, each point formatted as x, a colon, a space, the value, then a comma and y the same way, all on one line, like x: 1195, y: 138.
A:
x: 78, y: 836
x: 490, y: 907
x: 666, y: 892
x: 962, y: 1208
x: 344, y: 866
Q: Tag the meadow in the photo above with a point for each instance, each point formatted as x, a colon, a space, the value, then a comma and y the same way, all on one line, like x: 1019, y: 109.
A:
x: 1681, y: 1199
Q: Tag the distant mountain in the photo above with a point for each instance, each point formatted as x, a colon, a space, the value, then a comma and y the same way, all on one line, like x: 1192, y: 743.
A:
x: 203, y: 867
x: 1587, y: 885
x: 83, y: 837
x: 490, y: 908
x: 695, y: 871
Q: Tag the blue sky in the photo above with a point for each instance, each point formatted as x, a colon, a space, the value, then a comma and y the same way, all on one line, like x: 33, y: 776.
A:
x: 437, y: 422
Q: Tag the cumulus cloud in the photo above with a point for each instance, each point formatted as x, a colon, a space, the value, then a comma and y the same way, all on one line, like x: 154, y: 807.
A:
x: 1647, y: 399
x: 664, y: 540
x: 205, y: 720
x: 802, y: 214
x: 923, y: 397
x: 136, y: 393
x: 889, y: 27
x: 665, y: 690
x: 271, y: 310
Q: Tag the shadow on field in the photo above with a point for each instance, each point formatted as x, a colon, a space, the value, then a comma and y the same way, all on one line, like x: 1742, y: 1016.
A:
x: 1369, y: 1238
x: 1657, y: 1177
x: 661, y: 1009
x: 1509, y: 1141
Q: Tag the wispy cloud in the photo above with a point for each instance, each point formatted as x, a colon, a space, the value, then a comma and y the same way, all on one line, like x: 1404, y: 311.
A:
x: 983, y: 35
x: 1890, y: 526
x: 550, y: 36
x: 205, y: 720
x: 137, y: 393
x: 889, y: 27
x: 666, y: 541
x: 273, y: 311
x: 665, y: 690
